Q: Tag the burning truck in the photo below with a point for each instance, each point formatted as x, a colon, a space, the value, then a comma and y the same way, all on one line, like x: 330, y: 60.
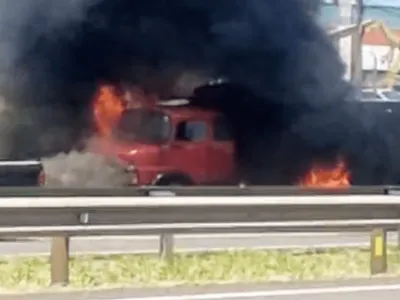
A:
x: 178, y: 142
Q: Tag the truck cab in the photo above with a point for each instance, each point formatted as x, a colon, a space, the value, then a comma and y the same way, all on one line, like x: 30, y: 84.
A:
x: 173, y: 144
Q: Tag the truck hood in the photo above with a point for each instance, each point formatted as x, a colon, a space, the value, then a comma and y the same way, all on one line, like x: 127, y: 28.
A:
x: 138, y: 154
x: 132, y: 153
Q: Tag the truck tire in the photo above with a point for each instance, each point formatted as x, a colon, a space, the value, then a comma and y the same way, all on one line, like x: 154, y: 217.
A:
x: 84, y: 170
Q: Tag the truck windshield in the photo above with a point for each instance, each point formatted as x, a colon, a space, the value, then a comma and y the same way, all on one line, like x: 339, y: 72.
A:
x: 143, y: 126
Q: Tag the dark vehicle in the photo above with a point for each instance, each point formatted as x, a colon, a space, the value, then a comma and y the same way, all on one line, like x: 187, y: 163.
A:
x: 20, y: 173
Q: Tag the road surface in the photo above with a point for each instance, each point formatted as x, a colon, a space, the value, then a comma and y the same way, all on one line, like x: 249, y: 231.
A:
x: 369, y: 289
x: 147, y: 244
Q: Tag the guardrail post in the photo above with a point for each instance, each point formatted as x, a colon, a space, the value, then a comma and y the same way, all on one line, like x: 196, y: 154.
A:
x: 59, y: 260
x: 398, y: 237
x: 167, y: 247
x: 378, y: 262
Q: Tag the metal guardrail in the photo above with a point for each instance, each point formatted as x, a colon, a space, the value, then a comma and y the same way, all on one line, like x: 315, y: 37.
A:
x: 192, y: 191
x: 63, y: 217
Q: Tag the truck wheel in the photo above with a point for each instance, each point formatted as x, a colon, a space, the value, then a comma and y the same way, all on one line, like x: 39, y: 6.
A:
x: 84, y: 170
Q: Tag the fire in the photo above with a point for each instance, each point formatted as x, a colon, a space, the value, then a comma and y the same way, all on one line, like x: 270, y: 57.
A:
x: 107, y: 107
x: 109, y: 103
x: 327, y: 177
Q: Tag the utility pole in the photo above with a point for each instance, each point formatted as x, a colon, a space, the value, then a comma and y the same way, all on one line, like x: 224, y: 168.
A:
x: 351, y: 12
x: 357, y: 59
x: 345, y: 43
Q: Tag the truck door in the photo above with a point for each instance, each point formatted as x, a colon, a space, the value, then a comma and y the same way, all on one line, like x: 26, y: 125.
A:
x: 187, y: 152
x: 221, y: 156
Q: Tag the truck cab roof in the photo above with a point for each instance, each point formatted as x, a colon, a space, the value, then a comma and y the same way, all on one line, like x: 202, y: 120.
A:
x: 181, y: 108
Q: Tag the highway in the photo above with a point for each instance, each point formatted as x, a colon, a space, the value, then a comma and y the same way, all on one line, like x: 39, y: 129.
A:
x: 367, y: 289
x: 148, y: 244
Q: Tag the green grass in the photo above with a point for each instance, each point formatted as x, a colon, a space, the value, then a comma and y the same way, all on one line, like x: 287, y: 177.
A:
x: 88, y: 271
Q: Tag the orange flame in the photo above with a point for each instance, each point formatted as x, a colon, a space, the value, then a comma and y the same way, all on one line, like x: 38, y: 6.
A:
x: 107, y: 107
x: 327, y: 177
x: 109, y: 103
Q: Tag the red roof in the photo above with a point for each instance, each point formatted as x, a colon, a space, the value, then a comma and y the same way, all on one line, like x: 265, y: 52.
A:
x: 376, y: 37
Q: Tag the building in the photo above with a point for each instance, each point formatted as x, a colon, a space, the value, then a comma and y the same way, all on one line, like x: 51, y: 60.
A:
x: 377, y: 54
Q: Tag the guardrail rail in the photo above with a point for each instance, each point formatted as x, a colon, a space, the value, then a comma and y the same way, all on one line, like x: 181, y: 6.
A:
x: 160, y: 212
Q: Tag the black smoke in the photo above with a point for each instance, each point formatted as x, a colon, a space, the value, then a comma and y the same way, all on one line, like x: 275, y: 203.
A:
x: 286, y: 99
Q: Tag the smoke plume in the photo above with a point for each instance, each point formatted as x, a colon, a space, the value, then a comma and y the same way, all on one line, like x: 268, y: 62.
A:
x: 286, y: 99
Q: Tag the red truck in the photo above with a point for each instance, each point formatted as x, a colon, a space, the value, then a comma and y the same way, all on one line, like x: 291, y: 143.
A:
x: 172, y: 143
x: 176, y: 143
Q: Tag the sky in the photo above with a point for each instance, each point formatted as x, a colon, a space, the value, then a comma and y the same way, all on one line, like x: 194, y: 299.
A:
x: 393, y: 3
x: 375, y: 11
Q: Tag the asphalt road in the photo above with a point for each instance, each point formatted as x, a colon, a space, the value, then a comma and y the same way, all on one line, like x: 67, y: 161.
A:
x: 368, y: 289
x: 147, y: 244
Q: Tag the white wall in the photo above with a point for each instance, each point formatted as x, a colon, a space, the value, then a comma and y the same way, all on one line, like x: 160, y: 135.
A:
x: 379, y: 55
x: 372, y: 55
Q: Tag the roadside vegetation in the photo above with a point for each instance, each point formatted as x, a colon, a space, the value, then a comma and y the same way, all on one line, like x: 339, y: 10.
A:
x: 89, y: 271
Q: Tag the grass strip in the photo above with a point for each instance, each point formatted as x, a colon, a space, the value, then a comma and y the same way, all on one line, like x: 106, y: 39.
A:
x: 88, y: 271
